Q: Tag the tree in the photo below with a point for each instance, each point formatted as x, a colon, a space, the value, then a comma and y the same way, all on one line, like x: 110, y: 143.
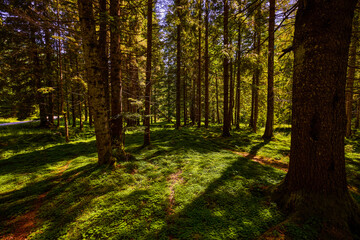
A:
x: 316, y: 185
x: 226, y: 124
x: 148, y: 74
x: 268, y: 134
x: 351, y: 75
x: 116, y: 80
x: 178, y: 63
x: 95, y: 83
x: 206, y: 63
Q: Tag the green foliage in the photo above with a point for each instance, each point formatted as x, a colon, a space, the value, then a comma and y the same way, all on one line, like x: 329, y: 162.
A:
x: 216, y: 194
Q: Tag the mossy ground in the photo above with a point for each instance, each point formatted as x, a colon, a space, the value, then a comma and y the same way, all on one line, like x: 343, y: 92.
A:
x: 186, y: 185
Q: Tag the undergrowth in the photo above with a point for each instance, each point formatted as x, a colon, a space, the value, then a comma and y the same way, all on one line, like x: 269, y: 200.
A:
x: 216, y: 193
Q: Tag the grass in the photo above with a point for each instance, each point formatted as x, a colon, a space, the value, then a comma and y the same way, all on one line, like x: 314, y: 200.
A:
x: 11, y: 120
x: 186, y: 185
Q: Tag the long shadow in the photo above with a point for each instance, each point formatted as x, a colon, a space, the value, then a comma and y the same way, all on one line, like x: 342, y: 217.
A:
x: 229, y: 213
x: 18, y: 202
x: 33, y: 161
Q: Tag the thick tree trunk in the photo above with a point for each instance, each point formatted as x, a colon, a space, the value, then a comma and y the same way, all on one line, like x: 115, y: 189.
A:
x: 178, y: 65
x: 116, y: 81
x: 351, y: 76
x: 103, y: 48
x: 148, y: 74
x: 96, y: 84
x: 315, y: 184
x: 357, y: 122
x: 226, y: 124
x: 268, y: 134
x: 207, y: 64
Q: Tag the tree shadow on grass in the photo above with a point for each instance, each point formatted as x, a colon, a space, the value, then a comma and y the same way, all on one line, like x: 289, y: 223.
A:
x: 16, y: 203
x: 232, y: 207
x: 35, y: 161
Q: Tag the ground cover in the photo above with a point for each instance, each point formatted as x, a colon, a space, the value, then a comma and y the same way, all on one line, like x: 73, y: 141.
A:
x: 189, y: 184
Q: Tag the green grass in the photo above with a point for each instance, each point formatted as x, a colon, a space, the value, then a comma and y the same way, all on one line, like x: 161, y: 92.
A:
x: 11, y: 120
x: 217, y: 194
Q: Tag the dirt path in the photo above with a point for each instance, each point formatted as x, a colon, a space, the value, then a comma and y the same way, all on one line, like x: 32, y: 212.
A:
x: 173, y: 179
x: 263, y: 160
x: 24, y: 224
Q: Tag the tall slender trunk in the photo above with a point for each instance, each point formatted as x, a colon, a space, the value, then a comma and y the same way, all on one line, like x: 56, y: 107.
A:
x: 207, y: 64
x: 185, y: 100
x: 268, y: 134
x: 217, y: 101
x: 256, y: 76
x: 226, y: 124
x: 238, y: 80
x: 178, y: 65
x: 351, y: 75
x: 199, y: 70
x: 103, y: 48
x: 116, y: 80
x: 231, y: 99
x: 96, y: 84
x: 49, y: 81
x: 357, y: 122
x: 148, y: 74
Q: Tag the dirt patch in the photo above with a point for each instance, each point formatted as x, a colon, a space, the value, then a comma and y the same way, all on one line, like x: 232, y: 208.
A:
x: 173, y: 179
x: 23, y: 225
x: 263, y: 160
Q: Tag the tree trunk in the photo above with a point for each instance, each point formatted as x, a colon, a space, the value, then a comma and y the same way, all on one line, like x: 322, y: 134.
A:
x: 178, y: 65
x: 73, y: 109
x: 351, y: 76
x: 96, y: 84
x: 357, y: 122
x: 116, y: 81
x: 315, y: 184
x: 199, y: 70
x: 226, y: 124
x: 207, y: 64
x: 50, y: 110
x: 217, y: 101
x: 238, y: 81
x: 231, y: 100
x: 148, y: 74
x: 103, y: 48
x: 268, y: 134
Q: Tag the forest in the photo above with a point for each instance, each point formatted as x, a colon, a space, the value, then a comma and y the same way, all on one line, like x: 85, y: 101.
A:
x: 183, y: 119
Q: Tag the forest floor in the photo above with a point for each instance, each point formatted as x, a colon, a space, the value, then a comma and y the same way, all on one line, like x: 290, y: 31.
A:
x: 189, y: 184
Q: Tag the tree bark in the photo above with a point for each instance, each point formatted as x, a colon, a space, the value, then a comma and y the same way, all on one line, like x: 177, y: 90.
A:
x: 315, y: 184
x: 103, y: 48
x: 207, y: 64
x: 178, y: 65
x: 148, y: 74
x: 268, y: 134
x: 95, y: 83
x: 226, y: 124
x: 351, y: 76
x: 116, y: 81
x: 199, y: 70
x: 238, y: 81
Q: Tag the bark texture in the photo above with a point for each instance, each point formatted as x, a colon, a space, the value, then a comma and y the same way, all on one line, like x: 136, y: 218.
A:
x: 268, y: 134
x: 351, y: 75
x: 148, y: 74
x: 226, y: 124
x: 95, y: 83
x: 178, y: 65
x: 116, y: 81
x: 315, y: 184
